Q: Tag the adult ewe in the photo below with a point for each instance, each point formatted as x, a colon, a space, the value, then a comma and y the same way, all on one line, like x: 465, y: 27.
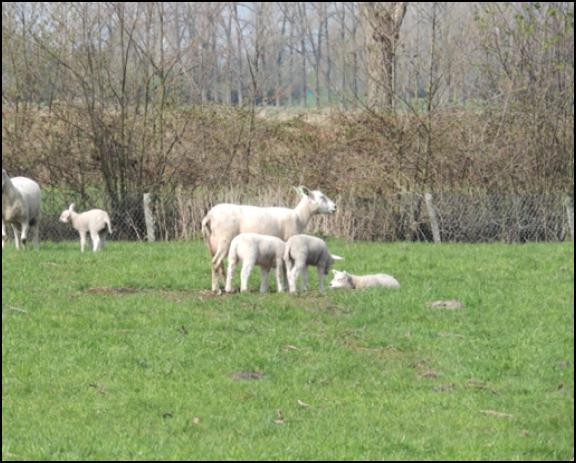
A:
x: 225, y: 221
x: 21, y: 203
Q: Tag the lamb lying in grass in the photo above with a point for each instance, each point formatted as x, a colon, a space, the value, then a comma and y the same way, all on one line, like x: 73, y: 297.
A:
x: 347, y: 280
x: 304, y: 250
x: 95, y: 221
x: 255, y: 249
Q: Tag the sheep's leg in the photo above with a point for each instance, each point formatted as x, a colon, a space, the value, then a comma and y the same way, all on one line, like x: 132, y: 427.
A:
x: 280, y: 276
x: 297, y: 270
x: 82, y: 241
x: 231, y: 267
x: 102, y: 239
x: 304, y: 273
x: 16, y: 231
x: 4, y: 235
x: 36, y: 236
x: 245, y: 275
x: 95, y: 237
x: 288, y: 269
x: 321, y: 275
x: 264, y: 271
x: 291, y: 281
x: 24, y: 235
x: 217, y: 263
x: 215, y: 287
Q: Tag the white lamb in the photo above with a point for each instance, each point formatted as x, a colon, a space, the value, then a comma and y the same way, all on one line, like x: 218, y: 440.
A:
x: 225, y: 221
x: 21, y: 204
x: 255, y: 249
x: 95, y: 221
x: 304, y: 250
x: 347, y: 280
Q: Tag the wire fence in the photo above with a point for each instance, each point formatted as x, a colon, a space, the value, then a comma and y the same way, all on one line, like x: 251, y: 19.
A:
x: 446, y: 217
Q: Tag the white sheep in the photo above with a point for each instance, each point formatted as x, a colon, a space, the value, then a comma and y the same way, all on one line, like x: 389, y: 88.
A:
x: 95, y: 221
x: 225, y: 221
x: 21, y: 204
x: 347, y: 280
x: 255, y: 249
x: 304, y: 250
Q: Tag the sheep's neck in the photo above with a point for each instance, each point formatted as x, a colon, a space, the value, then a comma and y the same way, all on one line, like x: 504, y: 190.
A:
x: 9, y: 198
x: 9, y: 191
x: 304, y: 213
x: 353, y: 283
x: 73, y: 218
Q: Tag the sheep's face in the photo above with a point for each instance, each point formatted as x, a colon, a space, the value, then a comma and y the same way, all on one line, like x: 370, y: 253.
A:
x: 341, y: 280
x: 65, y: 216
x: 320, y: 202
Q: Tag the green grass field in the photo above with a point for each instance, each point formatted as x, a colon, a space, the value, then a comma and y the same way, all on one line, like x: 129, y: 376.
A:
x: 127, y: 355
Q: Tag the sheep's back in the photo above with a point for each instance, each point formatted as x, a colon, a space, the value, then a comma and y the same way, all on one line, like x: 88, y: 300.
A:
x: 30, y: 191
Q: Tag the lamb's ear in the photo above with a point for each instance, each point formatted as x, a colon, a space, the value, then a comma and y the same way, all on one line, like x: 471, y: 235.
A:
x: 334, y: 271
x: 335, y: 257
x: 71, y: 208
x: 302, y: 190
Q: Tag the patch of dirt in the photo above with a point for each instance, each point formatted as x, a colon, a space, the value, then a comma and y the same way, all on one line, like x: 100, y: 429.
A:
x: 445, y: 388
x: 247, y: 376
x: 176, y: 295
x: 480, y: 385
x: 452, y: 304
x: 424, y: 370
x: 105, y: 290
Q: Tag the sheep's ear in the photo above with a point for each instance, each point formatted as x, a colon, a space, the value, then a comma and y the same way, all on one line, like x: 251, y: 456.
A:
x: 302, y: 190
x: 335, y: 257
x: 72, y: 206
x: 305, y: 191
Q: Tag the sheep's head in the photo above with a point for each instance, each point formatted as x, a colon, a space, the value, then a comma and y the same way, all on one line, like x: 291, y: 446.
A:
x: 341, y: 280
x: 65, y: 216
x: 321, y: 204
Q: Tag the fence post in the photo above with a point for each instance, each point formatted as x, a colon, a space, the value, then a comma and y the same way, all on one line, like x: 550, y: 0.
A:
x: 570, y: 213
x: 433, y: 217
x: 149, y: 217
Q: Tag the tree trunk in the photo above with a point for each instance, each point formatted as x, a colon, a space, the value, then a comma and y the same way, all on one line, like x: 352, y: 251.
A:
x: 382, y: 22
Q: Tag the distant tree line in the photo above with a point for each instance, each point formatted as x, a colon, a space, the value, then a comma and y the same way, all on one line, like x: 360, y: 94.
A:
x: 121, y: 85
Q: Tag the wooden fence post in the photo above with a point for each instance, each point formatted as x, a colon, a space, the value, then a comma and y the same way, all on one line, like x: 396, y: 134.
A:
x: 149, y: 217
x: 570, y: 213
x: 433, y: 217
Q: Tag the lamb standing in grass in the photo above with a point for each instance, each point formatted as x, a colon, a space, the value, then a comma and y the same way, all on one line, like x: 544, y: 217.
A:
x: 21, y: 204
x: 96, y: 222
x: 347, y: 280
x: 304, y: 250
x: 225, y: 221
x: 255, y: 249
